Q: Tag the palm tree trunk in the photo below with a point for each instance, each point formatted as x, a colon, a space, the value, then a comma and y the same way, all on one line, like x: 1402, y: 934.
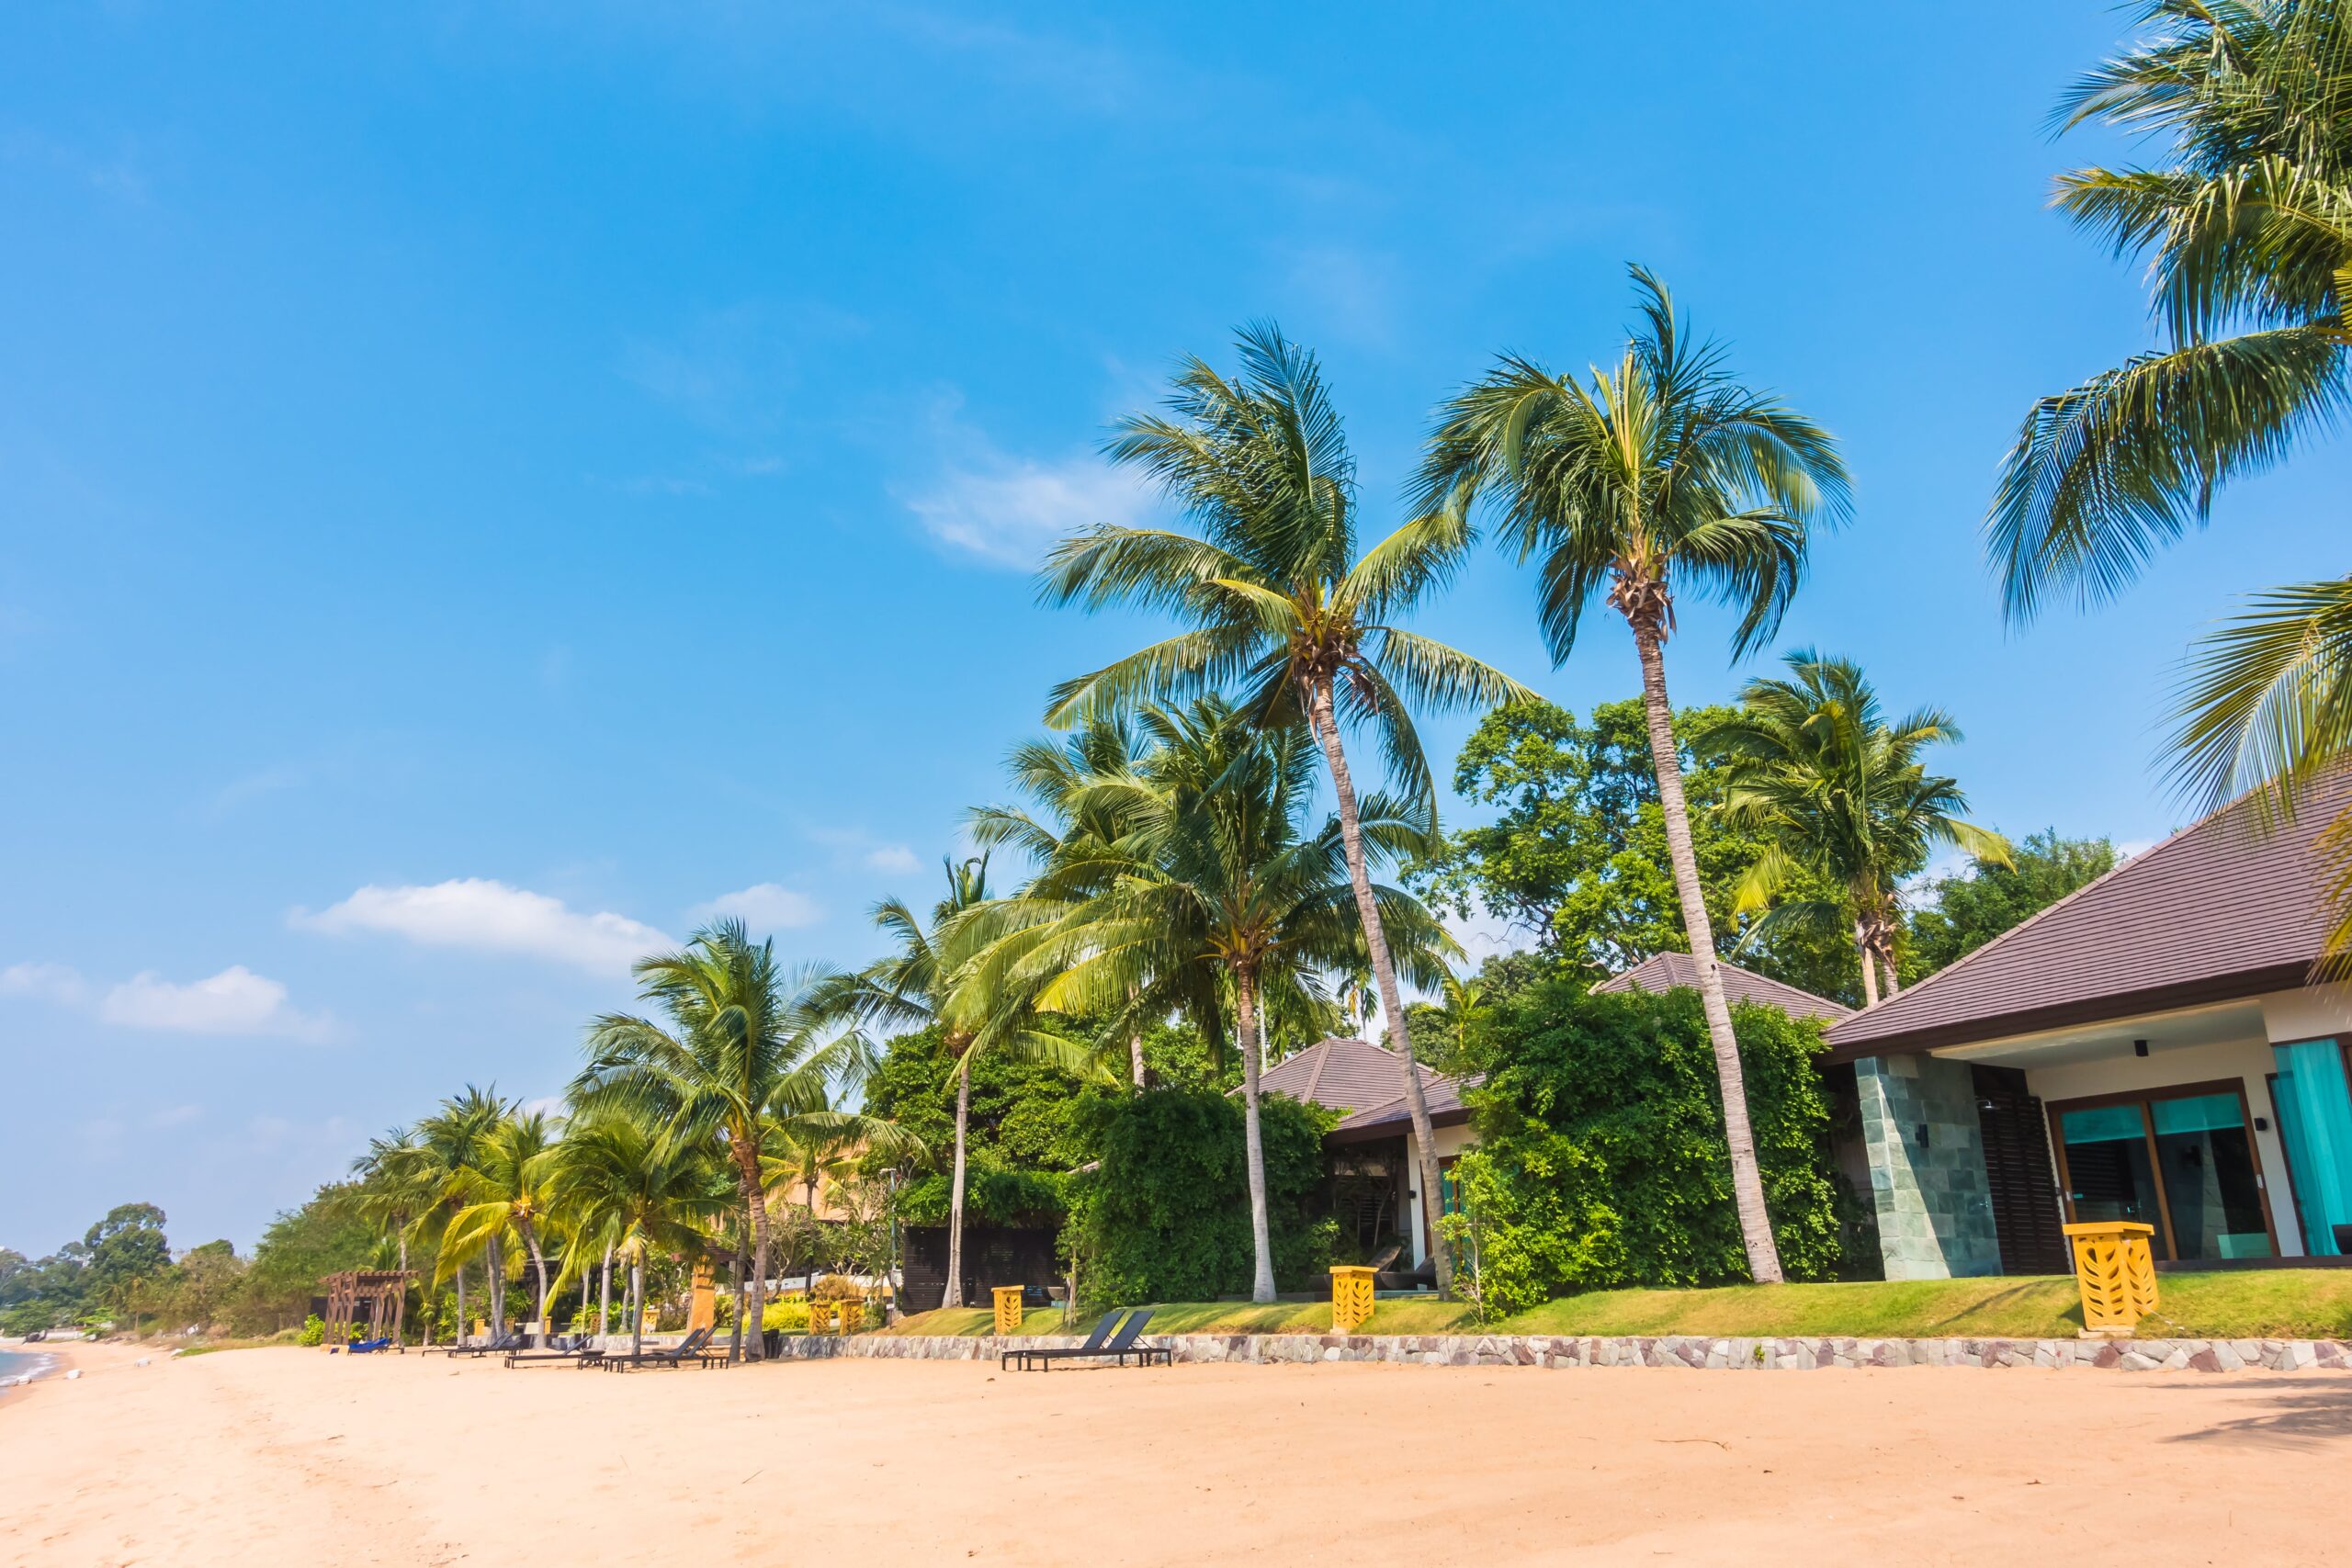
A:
x: 497, y: 1288
x: 538, y: 1266
x: 1335, y: 757
x: 1134, y: 1058
x: 637, y: 1304
x: 605, y: 1298
x: 954, y: 1296
x: 1870, y: 964
x: 757, y: 1200
x: 1245, y: 1007
x: 1746, y: 1181
x: 741, y: 1264
x: 460, y: 1334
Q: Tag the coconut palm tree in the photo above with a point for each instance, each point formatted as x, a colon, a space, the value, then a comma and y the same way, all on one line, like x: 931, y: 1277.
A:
x: 933, y: 981
x: 1662, y: 474
x: 1814, y: 769
x: 636, y: 1189
x: 1281, y: 608
x: 1222, y: 873
x: 2247, y: 227
x: 396, y: 1187
x: 746, y: 1041
x: 452, y: 1143
x: 502, y: 1196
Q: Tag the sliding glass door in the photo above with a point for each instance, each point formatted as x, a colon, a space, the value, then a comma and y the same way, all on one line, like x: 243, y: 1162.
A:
x: 2182, y: 1160
x: 2314, y: 1106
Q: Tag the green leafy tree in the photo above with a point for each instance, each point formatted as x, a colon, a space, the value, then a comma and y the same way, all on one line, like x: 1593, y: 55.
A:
x: 1601, y: 1161
x: 504, y: 1196
x: 747, y: 1042
x: 1575, y: 858
x: 1837, y: 793
x: 451, y: 1143
x: 630, y: 1190
x: 1960, y: 913
x: 300, y: 1246
x: 125, y: 1251
x: 1664, y: 474
x: 1280, y: 607
x: 2247, y: 227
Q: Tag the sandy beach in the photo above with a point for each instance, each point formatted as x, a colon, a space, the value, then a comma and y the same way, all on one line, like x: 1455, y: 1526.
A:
x: 290, y: 1457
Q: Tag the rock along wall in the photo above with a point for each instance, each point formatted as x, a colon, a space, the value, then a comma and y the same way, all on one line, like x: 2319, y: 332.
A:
x: 1545, y: 1350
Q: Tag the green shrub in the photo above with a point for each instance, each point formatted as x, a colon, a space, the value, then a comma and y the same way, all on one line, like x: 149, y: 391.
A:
x: 1602, y: 1160
x: 313, y: 1331
x: 1164, y: 1213
x: 788, y: 1317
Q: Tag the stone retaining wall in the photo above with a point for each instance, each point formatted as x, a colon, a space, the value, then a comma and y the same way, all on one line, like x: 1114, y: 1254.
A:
x: 1543, y: 1351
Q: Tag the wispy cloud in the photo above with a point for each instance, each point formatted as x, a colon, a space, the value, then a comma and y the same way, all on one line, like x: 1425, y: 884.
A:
x: 487, y: 915
x: 895, y: 858
x: 763, y: 906
x: 1009, y: 510
x: 58, y: 983
x: 235, y: 1001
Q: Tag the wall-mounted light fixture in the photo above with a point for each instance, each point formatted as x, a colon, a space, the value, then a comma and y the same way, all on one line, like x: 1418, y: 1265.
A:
x: 2139, y: 1047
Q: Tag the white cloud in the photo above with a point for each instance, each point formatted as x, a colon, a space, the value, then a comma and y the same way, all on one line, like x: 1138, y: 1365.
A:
x: 56, y: 983
x: 1485, y: 936
x: 894, y: 858
x: 235, y: 1001
x: 175, y: 1116
x: 1011, y: 510
x: 763, y: 906
x: 2129, y: 849
x: 488, y: 916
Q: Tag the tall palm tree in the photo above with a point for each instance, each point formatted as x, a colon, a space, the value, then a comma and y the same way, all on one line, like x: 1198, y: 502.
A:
x: 1223, y: 871
x: 1281, y: 607
x: 2247, y: 227
x: 503, y: 1196
x: 932, y: 980
x: 396, y: 1187
x: 746, y: 1041
x: 638, y: 1190
x: 1815, y: 770
x: 1660, y: 474
x: 453, y: 1142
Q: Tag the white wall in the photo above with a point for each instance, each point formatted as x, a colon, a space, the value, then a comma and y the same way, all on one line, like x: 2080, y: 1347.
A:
x: 2313, y: 1013
x: 2247, y: 1060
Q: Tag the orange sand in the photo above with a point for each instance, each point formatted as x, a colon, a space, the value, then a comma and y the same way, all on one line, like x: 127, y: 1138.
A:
x: 290, y: 1457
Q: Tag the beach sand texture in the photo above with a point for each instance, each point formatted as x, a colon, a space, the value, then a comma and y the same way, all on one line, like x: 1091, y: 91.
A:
x: 291, y: 1457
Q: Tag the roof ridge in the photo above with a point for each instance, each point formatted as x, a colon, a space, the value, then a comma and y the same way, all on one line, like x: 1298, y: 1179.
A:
x: 1879, y: 1009
x: 1314, y: 1079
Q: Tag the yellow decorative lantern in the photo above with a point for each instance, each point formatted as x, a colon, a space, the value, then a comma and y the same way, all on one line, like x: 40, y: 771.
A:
x: 1007, y: 1309
x: 2116, y: 1272
x: 1350, y: 1297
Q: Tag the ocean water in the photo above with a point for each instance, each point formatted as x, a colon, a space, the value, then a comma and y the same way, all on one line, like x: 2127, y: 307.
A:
x: 16, y: 1364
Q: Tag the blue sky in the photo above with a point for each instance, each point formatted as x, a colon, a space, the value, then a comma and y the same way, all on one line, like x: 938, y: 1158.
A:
x: 481, y: 488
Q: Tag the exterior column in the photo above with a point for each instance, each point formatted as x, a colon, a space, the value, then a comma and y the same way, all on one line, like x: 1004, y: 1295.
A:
x: 1926, y: 1159
x: 1415, y: 1231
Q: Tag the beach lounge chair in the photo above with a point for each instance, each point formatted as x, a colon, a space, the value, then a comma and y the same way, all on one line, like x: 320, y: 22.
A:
x: 1121, y: 1345
x: 675, y: 1356
x: 370, y: 1347
x: 1093, y: 1343
x: 496, y: 1345
x: 565, y: 1348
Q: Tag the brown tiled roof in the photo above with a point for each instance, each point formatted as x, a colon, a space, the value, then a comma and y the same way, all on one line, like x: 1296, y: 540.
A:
x: 1445, y: 1096
x: 1662, y: 971
x: 2220, y: 911
x: 1346, y: 1076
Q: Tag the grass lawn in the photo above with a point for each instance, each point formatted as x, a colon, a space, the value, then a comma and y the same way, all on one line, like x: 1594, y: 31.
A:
x: 2256, y: 1303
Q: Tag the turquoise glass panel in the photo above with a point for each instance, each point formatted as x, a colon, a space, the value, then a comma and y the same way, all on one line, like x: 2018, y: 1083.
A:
x: 2104, y: 1123
x: 2314, y: 1105
x: 2205, y: 1113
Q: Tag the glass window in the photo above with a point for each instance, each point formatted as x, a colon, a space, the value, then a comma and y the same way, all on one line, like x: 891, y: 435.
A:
x: 2208, y: 1162
x: 2314, y: 1107
x: 2108, y: 1173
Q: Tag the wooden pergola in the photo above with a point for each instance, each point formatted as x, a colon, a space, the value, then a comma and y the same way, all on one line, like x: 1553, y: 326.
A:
x: 378, y: 1297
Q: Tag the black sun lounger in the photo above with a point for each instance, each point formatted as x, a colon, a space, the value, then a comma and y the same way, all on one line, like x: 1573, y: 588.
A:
x: 1093, y: 1343
x: 1122, y: 1345
x: 676, y: 1356
x: 562, y: 1350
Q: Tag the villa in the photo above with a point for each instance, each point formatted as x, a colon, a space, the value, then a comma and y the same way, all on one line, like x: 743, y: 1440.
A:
x: 2147, y: 1049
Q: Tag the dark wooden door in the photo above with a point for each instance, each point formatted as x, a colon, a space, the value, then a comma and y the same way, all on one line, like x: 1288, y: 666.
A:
x: 2026, y: 1212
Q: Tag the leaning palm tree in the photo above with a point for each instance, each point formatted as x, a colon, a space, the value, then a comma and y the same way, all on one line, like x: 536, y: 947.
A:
x: 745, y: 1041
x: 932, y: 980
x: 503, y: 1197
x: 1833, y: 789
x: 1281, y: 608
x: 638, y: 1190
x: 1658, y: 475
x: 2247, y: 227
x: 1223, y: 874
